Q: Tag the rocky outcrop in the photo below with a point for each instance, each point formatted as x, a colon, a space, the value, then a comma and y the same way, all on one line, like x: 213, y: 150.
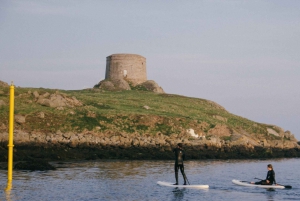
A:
x: 106, y: 85
x: 113, y: 85
x: 279, y: 132
x: 3, y: 84
x: 218, y: 136
x: 2, y: 127
x: 20, y: 119
x: 122, y: 84
x: 56, y: 100
x: 151, y: 85
x: 220, y: 130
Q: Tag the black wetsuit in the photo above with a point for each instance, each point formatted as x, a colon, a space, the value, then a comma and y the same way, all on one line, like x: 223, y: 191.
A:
x: 270, y: 177
x: 179, y: 157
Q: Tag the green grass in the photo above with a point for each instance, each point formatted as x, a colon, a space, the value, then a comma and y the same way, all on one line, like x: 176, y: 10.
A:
x: 124, y: 112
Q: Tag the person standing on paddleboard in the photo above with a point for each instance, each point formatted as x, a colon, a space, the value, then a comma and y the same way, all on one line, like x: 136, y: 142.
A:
x: 179, y: 157
x: 270, y: 179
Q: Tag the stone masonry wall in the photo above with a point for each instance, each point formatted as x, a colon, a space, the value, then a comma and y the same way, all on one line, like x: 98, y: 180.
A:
x: 131, y: 67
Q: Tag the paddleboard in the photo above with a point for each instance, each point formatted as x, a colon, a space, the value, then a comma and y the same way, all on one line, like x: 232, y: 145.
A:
x: 244, y: 183
x: 164, y: 183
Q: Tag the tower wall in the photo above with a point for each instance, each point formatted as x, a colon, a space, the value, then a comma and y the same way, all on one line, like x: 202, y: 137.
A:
x: 131, y: 67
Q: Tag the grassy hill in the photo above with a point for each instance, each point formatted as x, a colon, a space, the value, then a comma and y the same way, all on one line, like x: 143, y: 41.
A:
x: 134, y: 124
x: 125, y: 111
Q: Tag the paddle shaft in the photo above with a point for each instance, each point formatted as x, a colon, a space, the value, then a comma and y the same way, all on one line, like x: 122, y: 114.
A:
x: 186, y: 179
x: 259, y: 179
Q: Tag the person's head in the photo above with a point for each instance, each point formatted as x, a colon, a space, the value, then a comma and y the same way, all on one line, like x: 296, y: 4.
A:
x: 179, y: 145
x: 270, y: 167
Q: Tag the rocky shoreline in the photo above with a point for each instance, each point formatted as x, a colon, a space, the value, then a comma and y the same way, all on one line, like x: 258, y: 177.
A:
x: 94, y: 124
x: 91, y: 146
x: 29, y: 152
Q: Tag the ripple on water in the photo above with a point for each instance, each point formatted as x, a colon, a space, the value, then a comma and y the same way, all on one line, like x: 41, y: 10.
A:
x: 136, y: 180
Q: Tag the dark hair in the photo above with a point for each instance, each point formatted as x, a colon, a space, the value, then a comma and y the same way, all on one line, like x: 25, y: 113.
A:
x: 270, y: 166
x: 179, y: 145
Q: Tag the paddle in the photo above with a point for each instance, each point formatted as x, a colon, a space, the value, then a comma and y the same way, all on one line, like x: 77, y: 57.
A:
x: 186, y: 179
x: 285, y: 186
x: 259, y: 179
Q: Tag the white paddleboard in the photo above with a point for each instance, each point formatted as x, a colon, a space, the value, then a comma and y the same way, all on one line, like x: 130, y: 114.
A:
x: 243, y: 183
x: 164, y: 183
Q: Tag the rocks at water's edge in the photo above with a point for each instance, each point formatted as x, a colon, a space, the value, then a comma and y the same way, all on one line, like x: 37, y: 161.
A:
x: 91, y: 145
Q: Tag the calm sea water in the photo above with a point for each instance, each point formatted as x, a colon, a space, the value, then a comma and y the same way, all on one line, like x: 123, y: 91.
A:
x: 136, y: 180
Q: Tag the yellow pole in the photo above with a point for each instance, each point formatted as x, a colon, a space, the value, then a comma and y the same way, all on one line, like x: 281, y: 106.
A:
x: 11, y: 136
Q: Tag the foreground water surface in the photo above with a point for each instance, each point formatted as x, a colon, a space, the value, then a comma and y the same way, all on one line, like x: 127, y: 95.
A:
x: 136, y: 180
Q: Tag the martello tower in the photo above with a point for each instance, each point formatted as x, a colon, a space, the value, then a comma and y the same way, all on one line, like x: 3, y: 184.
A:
x: 131, y: 67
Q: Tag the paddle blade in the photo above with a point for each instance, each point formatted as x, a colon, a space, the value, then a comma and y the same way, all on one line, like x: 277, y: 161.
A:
x: 285, y: 186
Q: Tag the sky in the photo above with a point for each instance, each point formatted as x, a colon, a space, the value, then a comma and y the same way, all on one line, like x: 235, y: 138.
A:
x: 243, y: 55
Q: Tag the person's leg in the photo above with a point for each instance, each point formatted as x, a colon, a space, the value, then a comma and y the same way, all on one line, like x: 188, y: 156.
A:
x: 262, y: 182
x: 183, y: 174
x: 258, y: 183
x: 176, y: 174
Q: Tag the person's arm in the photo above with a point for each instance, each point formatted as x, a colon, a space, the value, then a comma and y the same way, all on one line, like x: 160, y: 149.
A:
x: 268, y: 177
x: 273, y: 173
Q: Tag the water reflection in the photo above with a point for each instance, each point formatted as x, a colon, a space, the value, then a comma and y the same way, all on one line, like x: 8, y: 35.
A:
x: 137, y: 180
x: 178, y: 194
x: 8, y: 195
x: 130, y: 169
x: 8, y: 191
x: 270, y: 194
x: 8, y: 185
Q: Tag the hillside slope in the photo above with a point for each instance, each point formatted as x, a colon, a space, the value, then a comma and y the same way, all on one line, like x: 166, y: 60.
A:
x: 134, y: 120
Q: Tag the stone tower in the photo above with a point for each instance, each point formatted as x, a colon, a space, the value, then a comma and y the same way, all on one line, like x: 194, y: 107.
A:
x: 131, y: 67
x: 127, y: 72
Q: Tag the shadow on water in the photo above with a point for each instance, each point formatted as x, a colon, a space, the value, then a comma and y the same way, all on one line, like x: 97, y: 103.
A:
x: 178, y: 194
x: 270, y: 193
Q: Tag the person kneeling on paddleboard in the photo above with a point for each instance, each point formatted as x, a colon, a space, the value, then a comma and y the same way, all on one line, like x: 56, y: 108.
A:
x: 179, y: 157
x: 270, y: 179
